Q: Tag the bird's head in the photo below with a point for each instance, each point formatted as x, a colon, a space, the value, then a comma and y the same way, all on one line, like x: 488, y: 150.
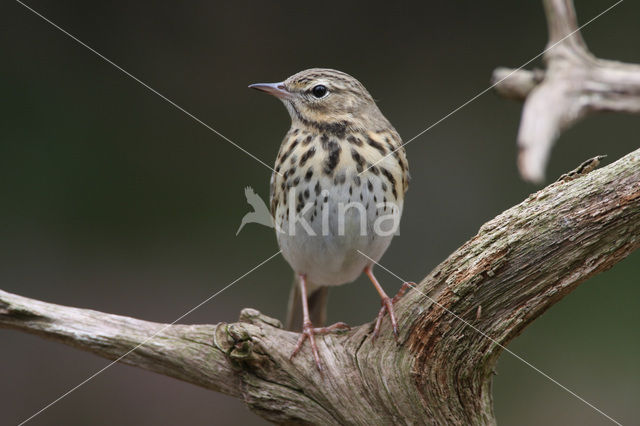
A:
x: 325, y: 96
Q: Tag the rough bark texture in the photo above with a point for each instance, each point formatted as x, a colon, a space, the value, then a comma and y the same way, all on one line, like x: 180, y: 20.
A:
x: 575, y: 84
x: 453, y: 324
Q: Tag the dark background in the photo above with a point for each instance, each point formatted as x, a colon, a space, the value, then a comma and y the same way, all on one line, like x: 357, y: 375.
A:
x: 114, y: 200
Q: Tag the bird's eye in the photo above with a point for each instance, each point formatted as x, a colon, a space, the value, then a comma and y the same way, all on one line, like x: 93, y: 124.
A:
x: 319, y: 91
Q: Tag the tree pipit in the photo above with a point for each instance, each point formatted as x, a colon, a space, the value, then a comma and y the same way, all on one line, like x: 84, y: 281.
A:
x: 336, y: 194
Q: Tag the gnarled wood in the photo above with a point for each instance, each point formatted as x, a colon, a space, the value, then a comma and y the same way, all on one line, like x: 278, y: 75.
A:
x: 574, y: 85
x: 454, y: 324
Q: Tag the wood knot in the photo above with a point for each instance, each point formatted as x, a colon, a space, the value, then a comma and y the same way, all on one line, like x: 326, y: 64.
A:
x: 237, y: 342
x: 234, y: 340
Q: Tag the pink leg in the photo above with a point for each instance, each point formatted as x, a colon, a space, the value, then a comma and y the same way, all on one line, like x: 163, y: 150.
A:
x: 308, y: 331
x: 387, y: 303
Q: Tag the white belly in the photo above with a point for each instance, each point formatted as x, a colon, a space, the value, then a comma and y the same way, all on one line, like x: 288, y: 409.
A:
x: 343, y: 230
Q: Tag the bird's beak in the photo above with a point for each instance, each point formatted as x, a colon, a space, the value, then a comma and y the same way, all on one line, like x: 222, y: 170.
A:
x: 276, y: 89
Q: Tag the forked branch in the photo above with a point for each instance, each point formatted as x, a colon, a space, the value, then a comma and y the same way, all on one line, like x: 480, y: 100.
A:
x: 574, y: 85
x: 454, y: 324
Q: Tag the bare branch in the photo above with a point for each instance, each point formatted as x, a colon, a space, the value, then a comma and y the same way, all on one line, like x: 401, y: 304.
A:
x: 453, y: 327
x: 185, y: 352
x: 574, y: 85
x: 515, y: 84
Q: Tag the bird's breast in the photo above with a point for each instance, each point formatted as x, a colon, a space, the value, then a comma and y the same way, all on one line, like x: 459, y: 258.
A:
x: 312, y: 161
x: 333, y: 196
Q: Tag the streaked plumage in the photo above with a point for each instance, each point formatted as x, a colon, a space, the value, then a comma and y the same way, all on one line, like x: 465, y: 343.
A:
x: 340, y: 151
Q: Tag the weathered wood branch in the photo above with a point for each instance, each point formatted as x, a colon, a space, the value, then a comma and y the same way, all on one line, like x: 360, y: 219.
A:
x: 574, y: 85
x: 440, y: 371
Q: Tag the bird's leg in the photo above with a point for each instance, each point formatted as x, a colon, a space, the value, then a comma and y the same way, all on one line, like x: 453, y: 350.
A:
x: 308, y: 331
x: 387, y: 303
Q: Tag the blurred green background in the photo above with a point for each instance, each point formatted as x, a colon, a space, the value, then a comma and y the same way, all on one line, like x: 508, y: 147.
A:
x: 114, y: 200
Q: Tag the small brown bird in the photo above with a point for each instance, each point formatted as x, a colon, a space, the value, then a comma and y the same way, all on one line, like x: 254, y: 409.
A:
x: 336, y: 194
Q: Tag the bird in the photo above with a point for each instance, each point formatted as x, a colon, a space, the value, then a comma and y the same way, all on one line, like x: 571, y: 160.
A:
x: 336, y: 194
x: 260, y: 213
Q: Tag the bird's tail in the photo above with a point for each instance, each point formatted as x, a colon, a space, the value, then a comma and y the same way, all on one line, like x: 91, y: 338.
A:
x: 316, y: 298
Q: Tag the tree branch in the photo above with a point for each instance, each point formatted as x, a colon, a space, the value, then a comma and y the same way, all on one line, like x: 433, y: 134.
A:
x: 453, y: 326
x: 574, y: 85
x: 185, y: 352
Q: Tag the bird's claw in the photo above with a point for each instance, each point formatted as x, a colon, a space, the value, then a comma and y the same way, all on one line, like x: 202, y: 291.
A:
x: 309, y: 332
x: 387, y: 306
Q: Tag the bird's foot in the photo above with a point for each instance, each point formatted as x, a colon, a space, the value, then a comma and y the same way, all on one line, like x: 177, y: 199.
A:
x: 387, y: 306
x: 309, y: 332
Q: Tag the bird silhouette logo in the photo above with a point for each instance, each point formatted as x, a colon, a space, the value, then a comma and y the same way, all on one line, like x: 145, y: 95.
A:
x: 260, y: 213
